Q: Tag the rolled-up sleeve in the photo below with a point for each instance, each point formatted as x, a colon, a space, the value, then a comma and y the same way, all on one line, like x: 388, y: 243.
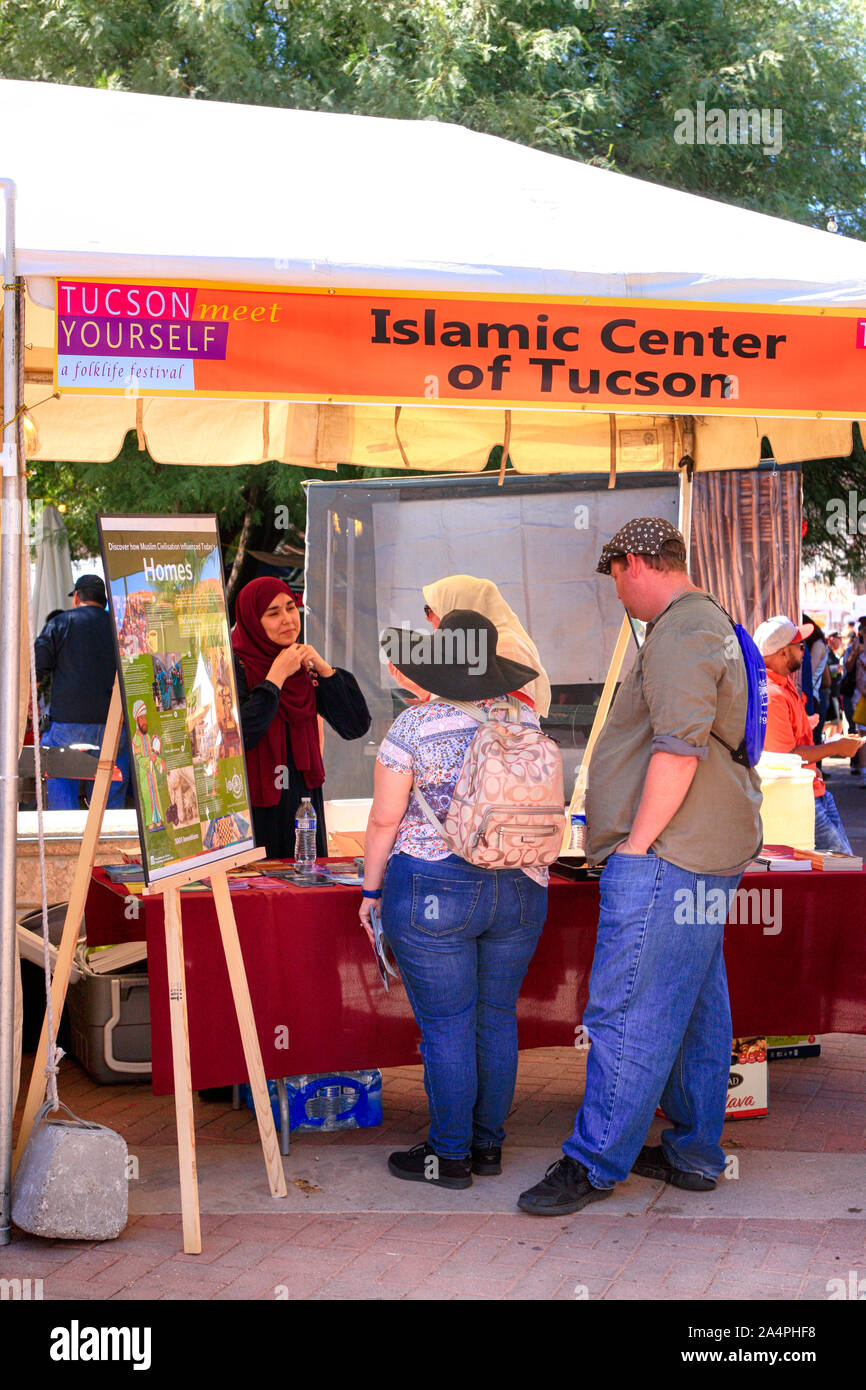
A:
x: 666, y: 743
x: 680, y: 682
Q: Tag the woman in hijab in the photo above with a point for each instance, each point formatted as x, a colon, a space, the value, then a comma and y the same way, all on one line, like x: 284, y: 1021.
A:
x: 464, y: 591
x: 283, y: 687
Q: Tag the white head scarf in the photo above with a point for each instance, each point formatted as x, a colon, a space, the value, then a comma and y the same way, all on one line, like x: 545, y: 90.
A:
x: 482, y: 595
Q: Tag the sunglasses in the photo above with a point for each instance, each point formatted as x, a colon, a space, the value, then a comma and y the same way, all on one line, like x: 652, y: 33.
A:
x: 428, y: 612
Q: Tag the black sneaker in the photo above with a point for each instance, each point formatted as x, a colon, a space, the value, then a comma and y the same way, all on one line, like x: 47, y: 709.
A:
x: 487, y: 1162
x: 423, y: 1164
x: 564, y: 1188
x: 652, y: 1163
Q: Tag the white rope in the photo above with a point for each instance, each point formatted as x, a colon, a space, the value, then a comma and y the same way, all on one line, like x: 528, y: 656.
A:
x: 54, y: 1053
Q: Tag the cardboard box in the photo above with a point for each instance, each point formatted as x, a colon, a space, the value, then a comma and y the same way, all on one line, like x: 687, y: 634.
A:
x: 782, y: 1047
x: 747, y: 1084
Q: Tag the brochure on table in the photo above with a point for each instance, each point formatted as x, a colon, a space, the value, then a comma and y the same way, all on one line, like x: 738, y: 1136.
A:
x: 180, y: 703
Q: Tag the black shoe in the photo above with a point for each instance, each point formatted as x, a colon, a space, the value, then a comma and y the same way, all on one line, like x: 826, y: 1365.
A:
x: 652, y: 1163
x: 423, y: 1164
x: 487, y: 1162
x: 564, y: 1188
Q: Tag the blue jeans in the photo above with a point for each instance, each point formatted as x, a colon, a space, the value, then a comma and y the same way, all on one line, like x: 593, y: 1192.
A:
x: 463, y: 938
x: 658, y: 1019
x: 830, y: 834
x: 62, y: 792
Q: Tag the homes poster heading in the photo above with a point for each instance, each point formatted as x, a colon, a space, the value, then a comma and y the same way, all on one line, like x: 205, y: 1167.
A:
x: 171, y: 339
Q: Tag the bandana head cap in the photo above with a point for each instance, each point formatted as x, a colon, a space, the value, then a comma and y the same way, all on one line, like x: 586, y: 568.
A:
x: 644, y: 536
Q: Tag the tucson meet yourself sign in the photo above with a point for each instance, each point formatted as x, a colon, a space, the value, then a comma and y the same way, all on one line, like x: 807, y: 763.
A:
x: 216, y: 340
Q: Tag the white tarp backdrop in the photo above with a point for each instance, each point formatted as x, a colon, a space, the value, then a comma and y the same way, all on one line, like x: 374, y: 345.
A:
x: 371, y: 547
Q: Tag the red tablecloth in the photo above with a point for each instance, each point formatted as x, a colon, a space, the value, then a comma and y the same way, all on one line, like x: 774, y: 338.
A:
x: 311, y: 971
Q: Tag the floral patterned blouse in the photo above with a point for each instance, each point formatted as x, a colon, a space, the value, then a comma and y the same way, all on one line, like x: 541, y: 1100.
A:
x: 430, y: 740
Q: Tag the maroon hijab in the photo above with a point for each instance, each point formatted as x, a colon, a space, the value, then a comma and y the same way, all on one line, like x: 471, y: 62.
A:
x: 297, y: 706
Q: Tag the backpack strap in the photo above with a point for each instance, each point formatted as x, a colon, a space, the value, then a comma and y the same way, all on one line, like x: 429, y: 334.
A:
x: 427, y: 809
x: 509, y: 702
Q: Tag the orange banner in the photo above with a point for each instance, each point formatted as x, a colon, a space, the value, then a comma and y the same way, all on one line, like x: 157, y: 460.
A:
x: 129, y: 338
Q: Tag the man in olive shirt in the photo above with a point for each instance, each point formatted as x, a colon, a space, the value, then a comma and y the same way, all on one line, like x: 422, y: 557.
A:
x: 674, y: 817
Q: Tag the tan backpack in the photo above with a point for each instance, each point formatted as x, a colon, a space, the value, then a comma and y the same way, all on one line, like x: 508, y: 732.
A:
x: 508, y: 808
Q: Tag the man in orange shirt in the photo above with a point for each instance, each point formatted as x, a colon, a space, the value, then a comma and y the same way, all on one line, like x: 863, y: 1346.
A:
x: 789, y: 728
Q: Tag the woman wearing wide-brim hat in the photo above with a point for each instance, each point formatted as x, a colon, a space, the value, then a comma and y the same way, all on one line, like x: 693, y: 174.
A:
x: 463, y: 936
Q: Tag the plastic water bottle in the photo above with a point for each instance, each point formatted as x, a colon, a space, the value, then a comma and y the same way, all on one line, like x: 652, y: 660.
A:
x: 578, y: 834
x: 305, y: 838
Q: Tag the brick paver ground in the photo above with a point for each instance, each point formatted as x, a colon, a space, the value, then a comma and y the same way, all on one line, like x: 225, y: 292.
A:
x: 816, y: 1106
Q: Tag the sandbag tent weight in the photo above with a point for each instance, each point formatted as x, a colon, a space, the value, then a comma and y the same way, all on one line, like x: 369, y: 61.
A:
x: 170, y: 890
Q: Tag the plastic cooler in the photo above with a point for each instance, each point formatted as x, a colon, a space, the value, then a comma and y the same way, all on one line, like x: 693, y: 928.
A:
x: 109, y: 1017
x: 327, y: 1102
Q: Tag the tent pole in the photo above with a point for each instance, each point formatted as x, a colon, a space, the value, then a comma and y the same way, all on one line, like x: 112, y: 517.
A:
x: 686, y: 484
x: 10, y: 589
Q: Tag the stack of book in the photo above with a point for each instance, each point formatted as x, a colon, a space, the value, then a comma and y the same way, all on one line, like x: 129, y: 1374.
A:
x: 106, y: 960
x: 124, y: 873
x: 790, y: 860
x: 833, y: 863
x: 779, y: 857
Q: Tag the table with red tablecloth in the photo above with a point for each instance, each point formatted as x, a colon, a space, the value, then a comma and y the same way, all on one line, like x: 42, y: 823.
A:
x: 320, y: 1005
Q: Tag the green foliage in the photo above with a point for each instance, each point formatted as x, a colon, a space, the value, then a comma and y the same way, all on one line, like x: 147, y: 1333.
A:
x: 599, y: 81
x: 834, y: 508
x: 133, y: 483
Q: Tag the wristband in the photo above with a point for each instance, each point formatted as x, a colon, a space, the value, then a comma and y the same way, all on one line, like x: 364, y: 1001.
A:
x: 371, y: 892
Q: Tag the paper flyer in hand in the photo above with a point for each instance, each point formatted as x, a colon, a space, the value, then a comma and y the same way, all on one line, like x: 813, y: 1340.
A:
x: 381, y: 948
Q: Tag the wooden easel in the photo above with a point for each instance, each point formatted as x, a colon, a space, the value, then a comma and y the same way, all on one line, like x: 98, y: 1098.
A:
x: 169, y: 888
x: 579, y: 793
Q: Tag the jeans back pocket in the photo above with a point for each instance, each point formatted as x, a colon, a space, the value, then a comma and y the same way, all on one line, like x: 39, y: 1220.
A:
x: 441, y: 906
x: 532, y: 897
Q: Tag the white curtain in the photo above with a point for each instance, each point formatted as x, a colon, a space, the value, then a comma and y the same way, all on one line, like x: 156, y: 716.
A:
x: 53, y: 568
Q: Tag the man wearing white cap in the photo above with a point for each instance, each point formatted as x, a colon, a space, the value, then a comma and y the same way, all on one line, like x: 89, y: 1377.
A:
x: 789, y: 728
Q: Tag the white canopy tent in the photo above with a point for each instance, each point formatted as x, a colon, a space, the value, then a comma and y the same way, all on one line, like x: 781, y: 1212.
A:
x: 116, y: 185
x: 154, y: 186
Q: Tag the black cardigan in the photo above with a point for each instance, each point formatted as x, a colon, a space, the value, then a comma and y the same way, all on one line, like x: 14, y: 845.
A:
x: 340, y: 702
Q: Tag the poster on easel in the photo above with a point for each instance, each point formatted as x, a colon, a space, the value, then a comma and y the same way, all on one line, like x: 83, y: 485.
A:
x: 180, y: 703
